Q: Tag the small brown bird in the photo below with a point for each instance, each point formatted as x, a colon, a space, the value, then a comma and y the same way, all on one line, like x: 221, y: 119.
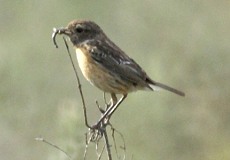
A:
x: 105, y: 65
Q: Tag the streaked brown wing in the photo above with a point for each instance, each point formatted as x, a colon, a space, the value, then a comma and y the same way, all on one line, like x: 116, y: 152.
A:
x: 117, y: 62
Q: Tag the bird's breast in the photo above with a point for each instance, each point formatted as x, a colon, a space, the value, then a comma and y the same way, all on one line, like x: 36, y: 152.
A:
x: 85, y: 62
x: 91, y: 70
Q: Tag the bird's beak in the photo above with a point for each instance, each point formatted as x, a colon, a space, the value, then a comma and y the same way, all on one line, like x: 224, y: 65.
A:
x: 59, y: 31
x: 65, y: 31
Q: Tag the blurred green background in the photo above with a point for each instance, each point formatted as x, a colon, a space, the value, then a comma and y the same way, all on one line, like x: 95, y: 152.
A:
x: 184, y: 44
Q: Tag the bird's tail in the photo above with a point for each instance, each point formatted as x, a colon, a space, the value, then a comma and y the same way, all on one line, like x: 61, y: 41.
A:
x: 156, y: 86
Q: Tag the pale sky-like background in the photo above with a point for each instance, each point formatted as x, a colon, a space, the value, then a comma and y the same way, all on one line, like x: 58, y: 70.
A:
x: 185, y: 44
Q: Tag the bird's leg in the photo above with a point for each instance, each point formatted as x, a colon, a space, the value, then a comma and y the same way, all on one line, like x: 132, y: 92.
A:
x: 116, y: 106
x: 113, y: 106
x: 109, y: 107
x: 112, y: 103
x: 113, y: 100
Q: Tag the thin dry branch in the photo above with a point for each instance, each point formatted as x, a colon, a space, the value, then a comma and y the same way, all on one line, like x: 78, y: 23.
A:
x: 79, y: 84
x: 53, y: 145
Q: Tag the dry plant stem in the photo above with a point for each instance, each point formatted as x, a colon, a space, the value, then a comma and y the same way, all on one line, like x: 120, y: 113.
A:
x: 107, y: 144
x: 104, y: 97
x: 86, y: 146
x: 99, y: 156
x: 115, y: 144
x: 79, y: 85
x: 94, y: 136
x: 53, y: 145
x: 99, y: 108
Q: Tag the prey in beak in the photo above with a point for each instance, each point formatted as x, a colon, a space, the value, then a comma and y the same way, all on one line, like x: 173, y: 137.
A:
x: 59, y: 31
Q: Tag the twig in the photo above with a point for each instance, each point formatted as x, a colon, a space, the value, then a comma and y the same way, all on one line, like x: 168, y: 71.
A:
x: 114, y: 141
x: 53, y: 145
x: 79, y: 85
x: 115, y: 144
x: 104, y: 97
x: 99, y: 108
x: 107, y: 144
x: 87, y: 141
x: 97, y: 150
x: 99, y: 156
x: 86, y: 146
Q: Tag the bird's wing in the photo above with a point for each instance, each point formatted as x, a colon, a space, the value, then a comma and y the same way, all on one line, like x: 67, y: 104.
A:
x: 118, y: 63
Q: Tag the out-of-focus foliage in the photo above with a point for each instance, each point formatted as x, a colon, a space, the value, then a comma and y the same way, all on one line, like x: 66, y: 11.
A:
x: 185, y: 44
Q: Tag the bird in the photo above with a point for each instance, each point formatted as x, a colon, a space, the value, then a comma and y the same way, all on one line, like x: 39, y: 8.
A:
x: 105, y: 65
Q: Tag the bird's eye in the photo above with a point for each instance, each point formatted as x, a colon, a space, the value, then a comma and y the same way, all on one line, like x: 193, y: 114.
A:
x: 79, y: 29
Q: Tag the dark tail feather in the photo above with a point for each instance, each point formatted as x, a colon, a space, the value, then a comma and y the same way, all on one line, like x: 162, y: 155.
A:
x: 180, y: 93
x: 156, y: 85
